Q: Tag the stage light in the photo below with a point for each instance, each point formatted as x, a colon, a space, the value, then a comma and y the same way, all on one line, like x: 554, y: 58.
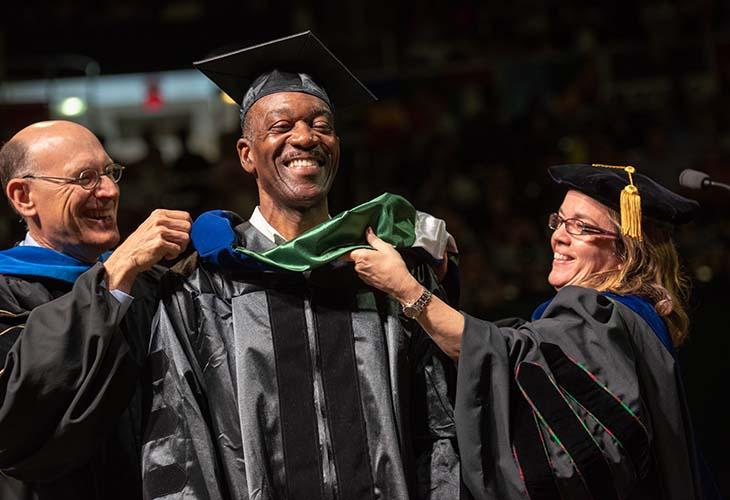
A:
x: 153, y: 100
x: 704, y: 273
x: 72, y: 106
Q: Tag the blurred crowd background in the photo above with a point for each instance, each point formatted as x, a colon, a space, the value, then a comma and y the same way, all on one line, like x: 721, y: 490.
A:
x: 477, y: 99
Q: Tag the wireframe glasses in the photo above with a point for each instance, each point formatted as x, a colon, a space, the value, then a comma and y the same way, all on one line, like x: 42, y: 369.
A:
x: 88, y: 179
x: 576, y: 227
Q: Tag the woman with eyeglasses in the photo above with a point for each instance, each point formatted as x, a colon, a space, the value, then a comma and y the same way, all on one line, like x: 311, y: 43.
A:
x: 584, y: 400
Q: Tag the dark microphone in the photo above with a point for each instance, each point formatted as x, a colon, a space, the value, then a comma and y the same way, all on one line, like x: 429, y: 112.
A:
x: 694, y: 179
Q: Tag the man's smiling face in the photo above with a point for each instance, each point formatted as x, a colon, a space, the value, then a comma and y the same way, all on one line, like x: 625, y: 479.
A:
x: 68, y: 218
x: 290, y: 146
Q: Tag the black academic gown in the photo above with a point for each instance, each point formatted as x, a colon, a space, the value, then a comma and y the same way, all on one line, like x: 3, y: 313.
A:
x: 280, y: 385
x: 585, y: 402
x: 70, y: 408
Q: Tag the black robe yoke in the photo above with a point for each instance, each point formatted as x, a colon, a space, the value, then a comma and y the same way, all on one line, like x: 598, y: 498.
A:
x: 583, y: 403
x: 70, y: 411
x: 280, y: 385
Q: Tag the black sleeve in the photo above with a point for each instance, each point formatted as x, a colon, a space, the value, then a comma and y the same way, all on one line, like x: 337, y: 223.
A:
x: 68, y: 376
x: 433, y: 386
x: 582, y: 403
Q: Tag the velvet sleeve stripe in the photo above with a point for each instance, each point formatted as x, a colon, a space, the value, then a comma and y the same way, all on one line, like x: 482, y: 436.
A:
x: 165, y: 480
x: 617, y: 419
x: 531, y: 455
x: 157, y: 366
x: 163, y: 423
x: 567, y: 430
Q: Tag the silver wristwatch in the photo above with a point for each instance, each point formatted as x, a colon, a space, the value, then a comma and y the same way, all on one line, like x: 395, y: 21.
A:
x: 414, y: 309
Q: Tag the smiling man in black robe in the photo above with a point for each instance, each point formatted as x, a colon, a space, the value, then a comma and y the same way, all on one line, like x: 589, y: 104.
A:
x: 276, y: 372
x: 74, y: 319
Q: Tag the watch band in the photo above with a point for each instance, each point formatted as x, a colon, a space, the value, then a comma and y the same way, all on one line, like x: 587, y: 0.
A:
x: 414, y: 309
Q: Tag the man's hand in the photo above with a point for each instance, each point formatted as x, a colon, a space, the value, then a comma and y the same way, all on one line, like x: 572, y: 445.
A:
x: 164, y: 235
x: 383, y: 268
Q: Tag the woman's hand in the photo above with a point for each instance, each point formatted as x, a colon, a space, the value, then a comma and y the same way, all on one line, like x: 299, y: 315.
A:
x: 383, y: 268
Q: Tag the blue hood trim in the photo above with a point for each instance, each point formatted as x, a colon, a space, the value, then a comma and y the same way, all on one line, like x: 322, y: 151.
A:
x: 215, y: 241
x: 43, y: 263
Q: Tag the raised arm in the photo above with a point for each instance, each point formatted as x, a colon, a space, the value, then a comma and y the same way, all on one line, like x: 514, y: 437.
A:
x: 72, y: 370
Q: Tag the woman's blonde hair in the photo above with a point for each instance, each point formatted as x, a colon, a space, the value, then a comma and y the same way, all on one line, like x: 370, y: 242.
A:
x: 649, y: 268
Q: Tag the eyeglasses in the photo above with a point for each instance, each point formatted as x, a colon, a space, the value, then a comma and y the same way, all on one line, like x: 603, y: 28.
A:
x: 576, y: 227
x: 88, y: 179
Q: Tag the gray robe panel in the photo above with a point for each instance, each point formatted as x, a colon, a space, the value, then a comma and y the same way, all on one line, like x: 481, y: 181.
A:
x: 216, y: 428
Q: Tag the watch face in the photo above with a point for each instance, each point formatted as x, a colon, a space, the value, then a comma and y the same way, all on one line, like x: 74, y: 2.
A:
x: 413, y: 310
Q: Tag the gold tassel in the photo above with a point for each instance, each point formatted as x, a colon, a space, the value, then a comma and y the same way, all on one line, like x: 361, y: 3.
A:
x: 630, y: 205
x: 631, y: 212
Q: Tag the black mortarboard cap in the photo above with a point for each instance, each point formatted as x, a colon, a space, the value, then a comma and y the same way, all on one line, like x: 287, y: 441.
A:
x: 614, y: 185
x: 297, y: 63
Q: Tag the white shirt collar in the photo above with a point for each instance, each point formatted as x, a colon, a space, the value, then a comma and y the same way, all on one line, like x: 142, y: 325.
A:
x: 258, y: 221
x: 29, y: 242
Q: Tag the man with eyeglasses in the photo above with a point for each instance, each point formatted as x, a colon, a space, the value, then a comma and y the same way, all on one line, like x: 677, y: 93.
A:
x: 74, y: 318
